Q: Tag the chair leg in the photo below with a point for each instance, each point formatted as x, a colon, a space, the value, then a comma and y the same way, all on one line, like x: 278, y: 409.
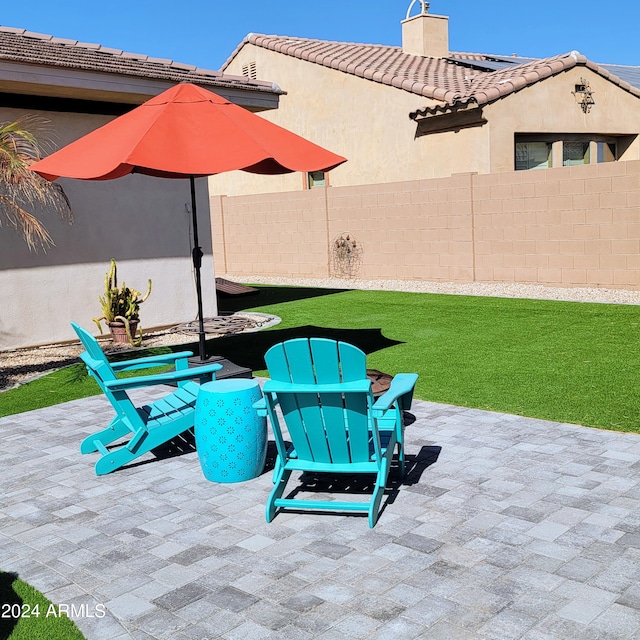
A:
x: 114, y: 460
x: 116, y: 430
x: 141, y: 443
x: 401, y: 462
x: 374, y: 505
x: 279, y: 485
x: 378, y: 491
x: 277, y: 469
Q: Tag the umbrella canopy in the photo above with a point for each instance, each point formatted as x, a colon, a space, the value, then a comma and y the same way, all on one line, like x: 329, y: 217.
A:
x: 186, y: 132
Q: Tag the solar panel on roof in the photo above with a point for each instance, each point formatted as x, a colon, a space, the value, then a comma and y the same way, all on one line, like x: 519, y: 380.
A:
x: 494, y: 64
x: 627, y: 74
x: 471, y: 64
x: 514, y: 59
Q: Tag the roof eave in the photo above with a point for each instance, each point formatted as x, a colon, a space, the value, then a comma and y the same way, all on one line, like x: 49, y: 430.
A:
x: 69, y: 82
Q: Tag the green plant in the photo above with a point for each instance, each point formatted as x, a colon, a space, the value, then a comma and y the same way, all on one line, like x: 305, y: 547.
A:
x: 121, y: 304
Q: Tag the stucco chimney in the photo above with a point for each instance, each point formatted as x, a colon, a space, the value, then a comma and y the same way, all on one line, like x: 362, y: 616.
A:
x: 425, y: 34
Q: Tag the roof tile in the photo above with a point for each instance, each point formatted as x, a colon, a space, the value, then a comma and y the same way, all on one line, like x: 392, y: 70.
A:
x: 461, y: 77
x: 27, y: 47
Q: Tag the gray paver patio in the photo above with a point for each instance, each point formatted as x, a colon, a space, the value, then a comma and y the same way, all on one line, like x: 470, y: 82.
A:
x: 505, y: 527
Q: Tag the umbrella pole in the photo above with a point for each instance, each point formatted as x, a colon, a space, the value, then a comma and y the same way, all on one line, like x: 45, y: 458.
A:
x: 197, y: 263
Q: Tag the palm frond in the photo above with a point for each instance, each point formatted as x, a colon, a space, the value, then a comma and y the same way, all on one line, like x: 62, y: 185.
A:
x: 23, y: 142
x: 26, y: 224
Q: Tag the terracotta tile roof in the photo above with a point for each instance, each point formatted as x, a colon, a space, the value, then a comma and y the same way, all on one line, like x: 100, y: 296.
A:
x: 23, y: 46
x: 460, y: 79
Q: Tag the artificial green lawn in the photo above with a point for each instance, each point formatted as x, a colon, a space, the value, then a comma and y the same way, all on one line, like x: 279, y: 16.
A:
x: 562, y: 361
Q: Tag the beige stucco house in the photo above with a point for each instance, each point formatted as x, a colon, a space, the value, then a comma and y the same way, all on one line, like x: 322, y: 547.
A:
x: 461, y: 167
x: 420, y: 111
x: 139, y: 220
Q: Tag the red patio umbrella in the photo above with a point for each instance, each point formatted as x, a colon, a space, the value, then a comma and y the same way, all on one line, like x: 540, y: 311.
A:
x: 186, y: 132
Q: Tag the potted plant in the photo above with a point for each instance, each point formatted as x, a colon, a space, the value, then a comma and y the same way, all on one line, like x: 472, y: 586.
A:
x: 121, y: 308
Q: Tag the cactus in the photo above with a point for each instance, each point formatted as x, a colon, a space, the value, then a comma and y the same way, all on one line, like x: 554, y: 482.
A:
x: 121, y: 304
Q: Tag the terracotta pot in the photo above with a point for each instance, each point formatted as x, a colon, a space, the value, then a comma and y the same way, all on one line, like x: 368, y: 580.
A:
x: 119, y: 331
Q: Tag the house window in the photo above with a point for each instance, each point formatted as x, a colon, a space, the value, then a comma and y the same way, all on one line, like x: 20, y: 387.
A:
x: 575, y: 153
x: 545, y: 150
x: 316, y: 179
x: 605, y: 151
x: 533, y: 155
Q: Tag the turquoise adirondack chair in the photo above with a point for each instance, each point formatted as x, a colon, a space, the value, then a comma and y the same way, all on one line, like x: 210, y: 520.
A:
x: 149, y: 425
x: 335, y: 426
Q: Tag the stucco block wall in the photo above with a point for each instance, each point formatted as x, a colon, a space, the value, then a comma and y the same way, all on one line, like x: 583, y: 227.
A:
x: 571, y: 226
x: 280, y: 233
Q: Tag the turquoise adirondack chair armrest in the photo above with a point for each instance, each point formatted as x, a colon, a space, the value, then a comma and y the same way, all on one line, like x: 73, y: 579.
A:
x: 261, y: 407
x: 160, y: 378
x: 358, y: 386
x: 150, y: 361
x: 401, y: 385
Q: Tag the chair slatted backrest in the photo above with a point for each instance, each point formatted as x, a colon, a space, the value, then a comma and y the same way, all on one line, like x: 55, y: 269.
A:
x: 97, y: 363
x: 325, y: 427
x: 99, y: 368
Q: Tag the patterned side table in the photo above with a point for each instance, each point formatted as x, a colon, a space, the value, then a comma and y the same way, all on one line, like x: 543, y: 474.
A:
x: 231, y: 439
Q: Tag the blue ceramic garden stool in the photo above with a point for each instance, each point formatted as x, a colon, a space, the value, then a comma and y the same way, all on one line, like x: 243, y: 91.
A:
x: 231, y: 439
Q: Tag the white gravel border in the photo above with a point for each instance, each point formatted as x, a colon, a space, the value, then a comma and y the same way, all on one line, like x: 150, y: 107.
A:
x: 499, y: 290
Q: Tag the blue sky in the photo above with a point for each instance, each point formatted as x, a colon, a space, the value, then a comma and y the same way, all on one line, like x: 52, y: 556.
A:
x: 205, y: 32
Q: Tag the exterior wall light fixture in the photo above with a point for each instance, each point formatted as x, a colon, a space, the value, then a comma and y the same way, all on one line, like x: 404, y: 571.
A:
x: 584, y: 95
